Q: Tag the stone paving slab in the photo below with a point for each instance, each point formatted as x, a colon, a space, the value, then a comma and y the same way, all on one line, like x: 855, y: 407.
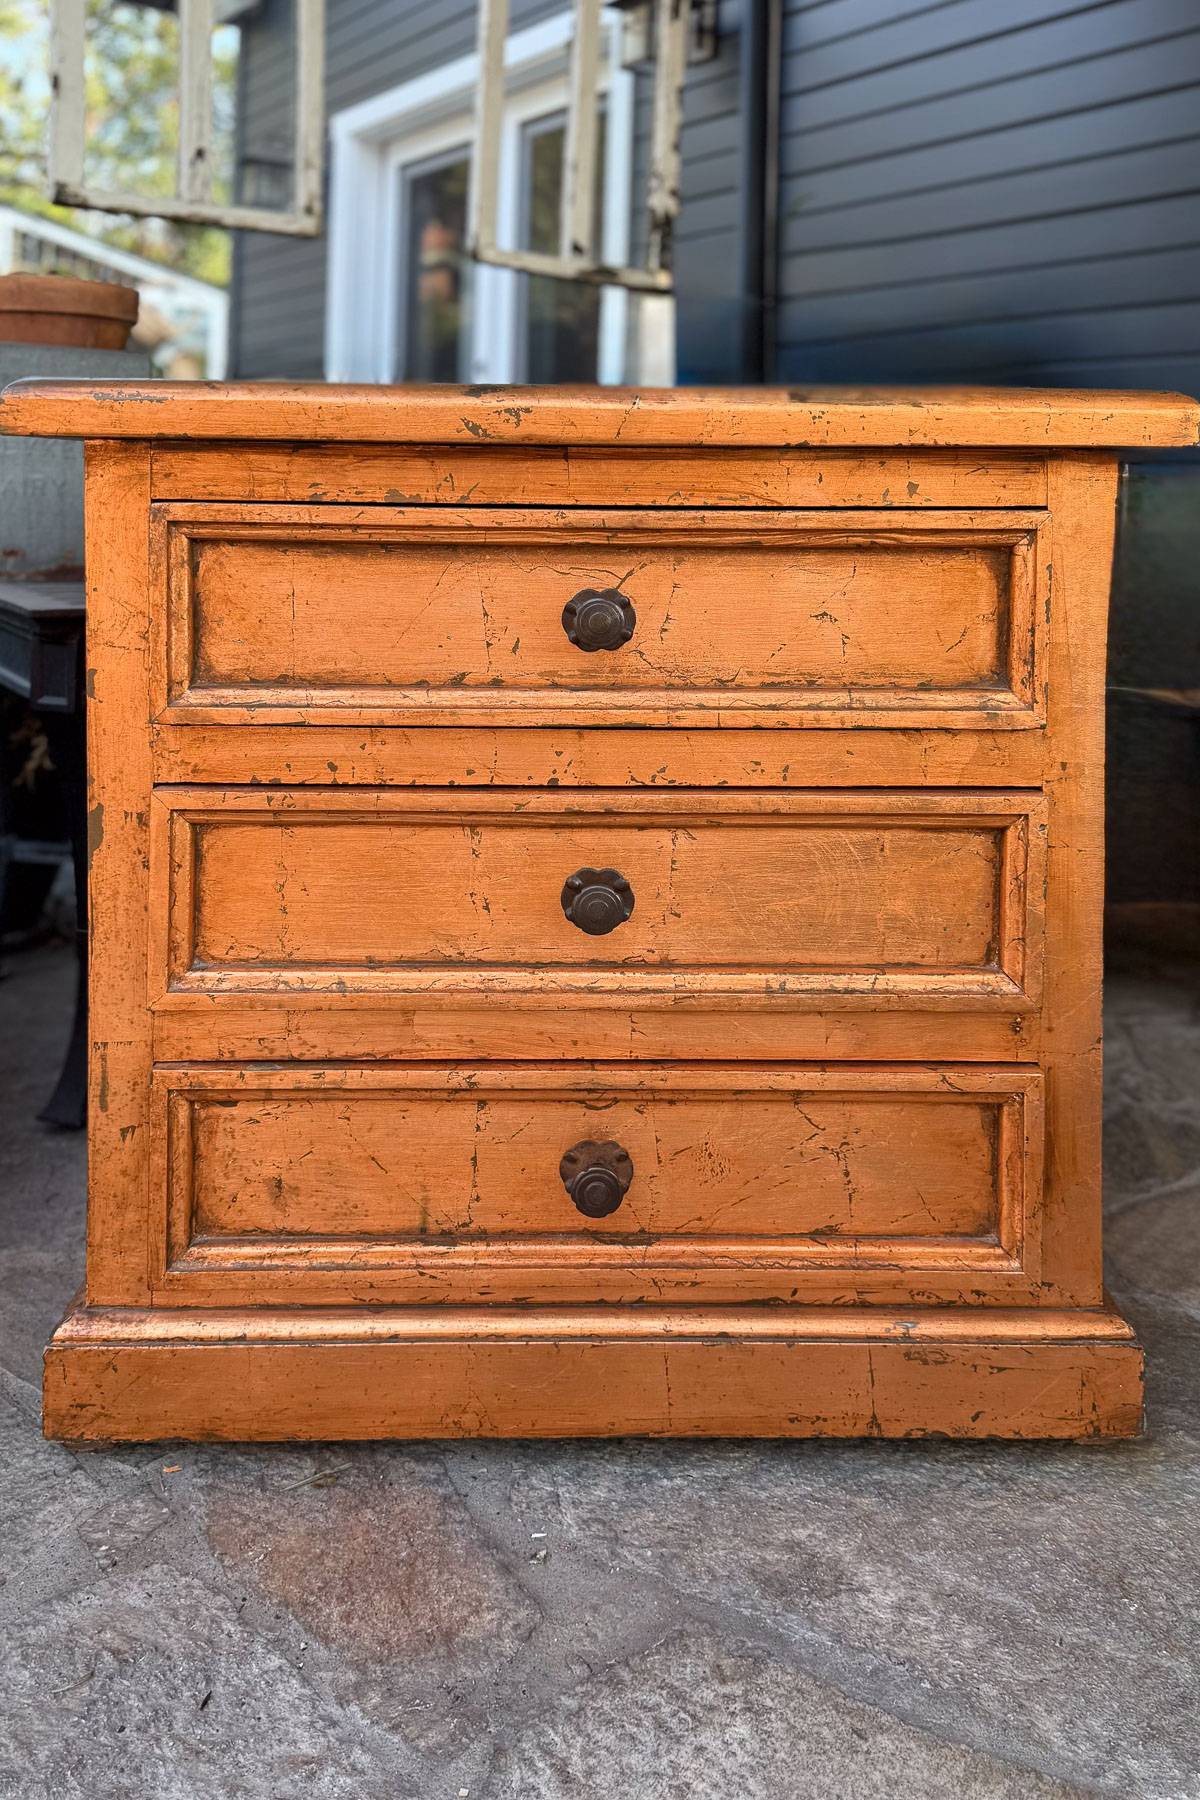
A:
x: 702, y: 1717
x: 648, y: 1621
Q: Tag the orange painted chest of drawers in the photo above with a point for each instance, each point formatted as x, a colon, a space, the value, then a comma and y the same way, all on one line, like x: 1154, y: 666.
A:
x: 595, y: 911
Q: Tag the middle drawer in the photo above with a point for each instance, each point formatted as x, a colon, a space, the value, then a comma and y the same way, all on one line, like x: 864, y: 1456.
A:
x: 894, y: 897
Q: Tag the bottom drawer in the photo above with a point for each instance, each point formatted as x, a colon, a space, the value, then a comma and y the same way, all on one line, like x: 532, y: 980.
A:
x: 724, y: 1183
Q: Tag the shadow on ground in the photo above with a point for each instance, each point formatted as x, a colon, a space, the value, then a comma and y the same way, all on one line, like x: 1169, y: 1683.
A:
x: 651, y: 1621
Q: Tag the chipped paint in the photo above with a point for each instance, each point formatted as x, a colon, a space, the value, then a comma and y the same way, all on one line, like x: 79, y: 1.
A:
x: 95, y: 829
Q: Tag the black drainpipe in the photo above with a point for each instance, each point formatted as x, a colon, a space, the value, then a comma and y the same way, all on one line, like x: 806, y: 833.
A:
x: 758, y: 109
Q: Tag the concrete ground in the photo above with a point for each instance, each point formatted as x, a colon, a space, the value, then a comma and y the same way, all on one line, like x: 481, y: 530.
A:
x: 576, y: 1621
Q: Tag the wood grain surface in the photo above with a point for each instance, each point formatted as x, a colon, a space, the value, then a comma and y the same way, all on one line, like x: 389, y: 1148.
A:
x: 861, y: 755
x: 914, y: 893
x: 387, y: 616
x: 783, y: 1373
x: 798, y: 418
x: 119, y: 786
x: 385, y: 1153
x: 512, y: 475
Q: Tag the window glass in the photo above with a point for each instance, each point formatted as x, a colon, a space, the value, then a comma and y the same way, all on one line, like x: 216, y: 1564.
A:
x: 560, y: 320
x: 436, y: 274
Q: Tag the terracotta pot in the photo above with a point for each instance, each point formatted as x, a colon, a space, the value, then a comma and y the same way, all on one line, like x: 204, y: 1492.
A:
x: 57, y: 309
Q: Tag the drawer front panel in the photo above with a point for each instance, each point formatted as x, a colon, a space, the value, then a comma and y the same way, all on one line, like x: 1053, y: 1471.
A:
x: 899, y: 894
x: 380, y: 615
x: 294, y: 1171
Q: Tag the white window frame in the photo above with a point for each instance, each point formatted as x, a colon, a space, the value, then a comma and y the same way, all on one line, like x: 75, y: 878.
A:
x: 372, y: 143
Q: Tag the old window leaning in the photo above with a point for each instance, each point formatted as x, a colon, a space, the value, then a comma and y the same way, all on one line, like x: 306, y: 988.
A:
x: 187, y: 36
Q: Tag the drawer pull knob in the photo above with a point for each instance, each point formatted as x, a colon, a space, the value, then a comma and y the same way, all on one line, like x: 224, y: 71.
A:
x: 597, y: 1177
x: 597, y: 900
x: 599, y: 619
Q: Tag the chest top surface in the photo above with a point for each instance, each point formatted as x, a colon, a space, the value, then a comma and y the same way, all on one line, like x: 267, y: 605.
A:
x: 797, y: 418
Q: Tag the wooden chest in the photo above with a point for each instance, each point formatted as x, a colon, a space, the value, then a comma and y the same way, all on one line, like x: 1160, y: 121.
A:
x: 595, y: 911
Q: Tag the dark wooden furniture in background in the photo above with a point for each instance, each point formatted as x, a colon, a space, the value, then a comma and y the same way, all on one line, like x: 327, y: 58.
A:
x: 41, y: 661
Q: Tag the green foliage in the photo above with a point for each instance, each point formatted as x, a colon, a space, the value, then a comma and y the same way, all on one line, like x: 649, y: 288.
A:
x: 132, y: 126
x: 21, y: 105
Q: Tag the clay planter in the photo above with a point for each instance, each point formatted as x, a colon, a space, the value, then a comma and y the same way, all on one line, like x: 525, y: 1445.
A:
x: 57, y: 309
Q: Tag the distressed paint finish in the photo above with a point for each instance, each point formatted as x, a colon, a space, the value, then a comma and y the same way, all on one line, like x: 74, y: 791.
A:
x: 575, y: 1374
x: 849, y: 1035
x: 420, y: 1183
x: 371, y: 756
x: 119, y: 788
x: 717, y: 418
x: 483, y: 1164
x: 915, y: 896
x: 447, y: 475
x: 780, y: 616
x: 673, y: 1024
x: 1083, y: 499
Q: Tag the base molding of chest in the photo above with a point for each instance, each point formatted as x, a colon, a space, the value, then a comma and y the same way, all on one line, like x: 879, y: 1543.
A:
x: 362, y: 1373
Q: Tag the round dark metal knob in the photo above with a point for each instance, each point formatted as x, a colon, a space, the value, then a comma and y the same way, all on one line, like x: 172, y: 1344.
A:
x: 597, y: 900
x: 597, y: 1177
x: 599, y: 619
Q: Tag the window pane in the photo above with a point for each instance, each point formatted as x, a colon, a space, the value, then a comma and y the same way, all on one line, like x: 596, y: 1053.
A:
x: 561, y: 318
x: 436, y: 274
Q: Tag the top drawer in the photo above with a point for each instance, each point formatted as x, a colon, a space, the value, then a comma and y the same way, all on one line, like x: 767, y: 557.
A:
x: 536, y: 616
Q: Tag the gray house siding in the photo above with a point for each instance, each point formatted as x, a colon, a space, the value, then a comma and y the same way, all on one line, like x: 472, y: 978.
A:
x: 1153, y: 839
x: 991, y: 193
x: 708, y: 240
x: 974, y: 192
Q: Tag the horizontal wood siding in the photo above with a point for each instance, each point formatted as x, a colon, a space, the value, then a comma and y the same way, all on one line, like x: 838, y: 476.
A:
x: 1012, y: 194
x: 1154, y: 643
x: 708, y: 239
x: 976, y: 192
